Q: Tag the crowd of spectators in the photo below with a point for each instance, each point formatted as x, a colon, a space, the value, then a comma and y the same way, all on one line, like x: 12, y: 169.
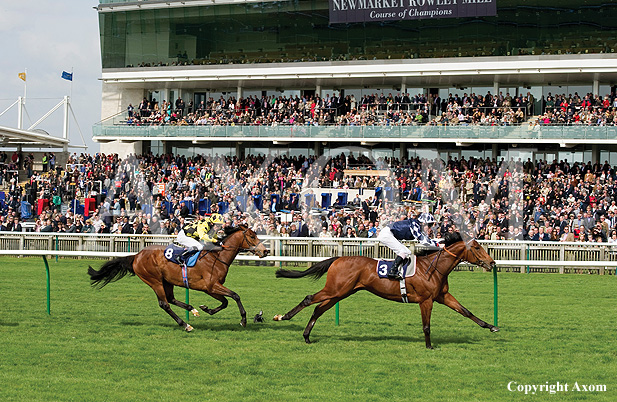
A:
x: 495, y: 200
x: 588, y: 110
x: 375, y: 109
x: 380, y: 110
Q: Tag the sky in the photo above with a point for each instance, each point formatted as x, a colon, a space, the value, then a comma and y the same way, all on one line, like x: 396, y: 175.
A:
x: 44, y: 38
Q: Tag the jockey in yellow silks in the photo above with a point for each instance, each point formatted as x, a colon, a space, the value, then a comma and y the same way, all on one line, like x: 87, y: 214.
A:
x: 204, y: 230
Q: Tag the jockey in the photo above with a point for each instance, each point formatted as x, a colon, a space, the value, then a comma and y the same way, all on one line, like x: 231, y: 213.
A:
x: 407, y: 229
x: 204, y: 229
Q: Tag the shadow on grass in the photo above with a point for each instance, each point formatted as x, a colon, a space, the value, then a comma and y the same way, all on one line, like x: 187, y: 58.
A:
x: 9, y: 324
x: 220, y: 326
x: 132, y: 323
x: 406, y: 339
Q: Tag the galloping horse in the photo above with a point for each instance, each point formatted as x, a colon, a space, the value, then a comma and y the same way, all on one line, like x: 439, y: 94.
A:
x: 208, y: 274
x: 347, y: 275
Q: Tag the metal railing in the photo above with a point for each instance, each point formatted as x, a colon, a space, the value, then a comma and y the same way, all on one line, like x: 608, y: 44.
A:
x: 519, y: 256
x: 526, y: 132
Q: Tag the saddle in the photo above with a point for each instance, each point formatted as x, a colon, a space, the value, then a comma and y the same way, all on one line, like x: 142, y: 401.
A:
x: 408, y: 269
x: 174, y: 254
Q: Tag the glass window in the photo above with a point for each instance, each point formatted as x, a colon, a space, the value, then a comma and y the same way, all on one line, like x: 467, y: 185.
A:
x: 300, y: 31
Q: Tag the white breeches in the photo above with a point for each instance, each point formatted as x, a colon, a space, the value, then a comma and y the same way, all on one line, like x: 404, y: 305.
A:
x: 188, y: 241
x: 387, y: 239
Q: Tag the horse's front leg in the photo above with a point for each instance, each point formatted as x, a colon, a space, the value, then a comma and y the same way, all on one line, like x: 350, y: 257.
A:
x: 448, y: 300
x: 426, y: 307
x: 223, y: 291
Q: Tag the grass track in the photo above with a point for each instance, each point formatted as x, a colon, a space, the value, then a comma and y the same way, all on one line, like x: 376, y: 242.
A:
x: 116, y: 344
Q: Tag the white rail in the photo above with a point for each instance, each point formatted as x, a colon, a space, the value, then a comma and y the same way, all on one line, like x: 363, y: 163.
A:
x: 500, y: 263
x: 510, y: 255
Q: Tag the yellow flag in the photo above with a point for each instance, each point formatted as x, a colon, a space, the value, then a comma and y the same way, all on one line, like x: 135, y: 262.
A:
x: 22, y: 76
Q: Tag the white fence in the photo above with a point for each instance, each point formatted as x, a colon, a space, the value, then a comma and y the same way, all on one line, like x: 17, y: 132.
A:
x: 510, y: 255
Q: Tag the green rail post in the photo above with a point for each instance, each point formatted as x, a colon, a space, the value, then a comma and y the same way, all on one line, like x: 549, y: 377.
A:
x: 187, y: 302
x: 336, y: 314
x: 129, y: 238
x: 495, y: 296
x: 48, y: 286
x: 57, y: 247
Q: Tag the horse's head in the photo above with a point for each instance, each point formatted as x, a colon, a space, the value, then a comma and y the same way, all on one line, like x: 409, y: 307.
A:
x: 477, y: 255
x: 473, y: 252
x: 250, y: 242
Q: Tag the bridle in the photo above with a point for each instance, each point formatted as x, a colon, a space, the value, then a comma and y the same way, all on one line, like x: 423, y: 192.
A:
x: 457, y: 260
x: 253, y: 247
x: 238, y: 248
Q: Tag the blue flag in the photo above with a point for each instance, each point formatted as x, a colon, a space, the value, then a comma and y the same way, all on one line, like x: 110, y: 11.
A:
x: 67, y: 76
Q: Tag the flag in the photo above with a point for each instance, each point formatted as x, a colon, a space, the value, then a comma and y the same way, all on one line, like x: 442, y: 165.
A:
x: 22, y: 76
x: 67, y: 76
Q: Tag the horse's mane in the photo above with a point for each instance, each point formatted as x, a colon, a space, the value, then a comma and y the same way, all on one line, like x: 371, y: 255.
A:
x: 451, y: 238
x: 231, y: 230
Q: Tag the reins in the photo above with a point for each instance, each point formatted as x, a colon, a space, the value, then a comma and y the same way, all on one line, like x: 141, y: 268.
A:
x: 436, y: 259
x: 237, y: 249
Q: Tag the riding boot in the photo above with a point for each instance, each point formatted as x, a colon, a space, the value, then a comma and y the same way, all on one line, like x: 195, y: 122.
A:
x: 393, y: 272
x: 188, y: 252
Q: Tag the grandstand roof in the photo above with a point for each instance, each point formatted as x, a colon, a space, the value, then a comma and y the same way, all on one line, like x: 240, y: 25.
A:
x: 13, y: 137
x: 418, y: 73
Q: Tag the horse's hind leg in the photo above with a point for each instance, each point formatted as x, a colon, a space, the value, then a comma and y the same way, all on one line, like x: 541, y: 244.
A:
x: 212, y: 311
x: 319, y: 310
x: 448, y: 300
x: 221, y: 290
x: 318, y: 297
x: 308, y: 300
x: 169, y: 293
x: 160, y: 294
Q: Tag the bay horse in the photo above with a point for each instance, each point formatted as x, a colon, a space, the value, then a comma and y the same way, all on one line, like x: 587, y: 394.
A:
x: 208, y: 274
x: 347, y: 275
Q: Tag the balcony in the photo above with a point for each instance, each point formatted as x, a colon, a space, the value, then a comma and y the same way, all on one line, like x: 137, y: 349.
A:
x: 563, y: 135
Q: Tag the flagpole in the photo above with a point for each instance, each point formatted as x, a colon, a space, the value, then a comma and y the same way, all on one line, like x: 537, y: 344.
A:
x: 25, y: 84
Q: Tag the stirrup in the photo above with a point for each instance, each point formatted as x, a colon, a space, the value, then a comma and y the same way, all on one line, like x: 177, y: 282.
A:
x: 394, y: 272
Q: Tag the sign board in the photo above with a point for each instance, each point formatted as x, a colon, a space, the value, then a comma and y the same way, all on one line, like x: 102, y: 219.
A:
x: 347, y: 11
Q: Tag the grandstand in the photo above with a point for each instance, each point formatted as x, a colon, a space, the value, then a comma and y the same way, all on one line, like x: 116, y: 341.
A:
x: 198, y: 50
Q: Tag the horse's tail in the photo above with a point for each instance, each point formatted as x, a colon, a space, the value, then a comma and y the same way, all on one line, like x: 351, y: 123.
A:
x: 111, y: 271
x: 316, y: 271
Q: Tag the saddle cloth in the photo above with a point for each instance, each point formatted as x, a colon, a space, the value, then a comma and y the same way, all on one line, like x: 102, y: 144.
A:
x: 174, y: 254
x: 408, y: 269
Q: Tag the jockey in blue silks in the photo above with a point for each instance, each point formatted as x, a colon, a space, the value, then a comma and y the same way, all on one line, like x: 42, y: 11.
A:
x: 407, y: 229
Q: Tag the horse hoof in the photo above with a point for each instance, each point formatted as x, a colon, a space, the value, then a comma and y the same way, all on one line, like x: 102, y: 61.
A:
x: 188, y: 328
x: 195, y: 312
x: 494, y: 329
x: 278, y: 317
x: 243, y: 323
x: 430, y: 347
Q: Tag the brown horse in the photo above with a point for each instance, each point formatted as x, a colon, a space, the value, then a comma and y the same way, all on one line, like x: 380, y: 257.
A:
x: 208, y: 274
x: 347, y: 275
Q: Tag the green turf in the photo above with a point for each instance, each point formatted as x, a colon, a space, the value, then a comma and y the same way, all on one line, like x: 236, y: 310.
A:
x: 116, y: 344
